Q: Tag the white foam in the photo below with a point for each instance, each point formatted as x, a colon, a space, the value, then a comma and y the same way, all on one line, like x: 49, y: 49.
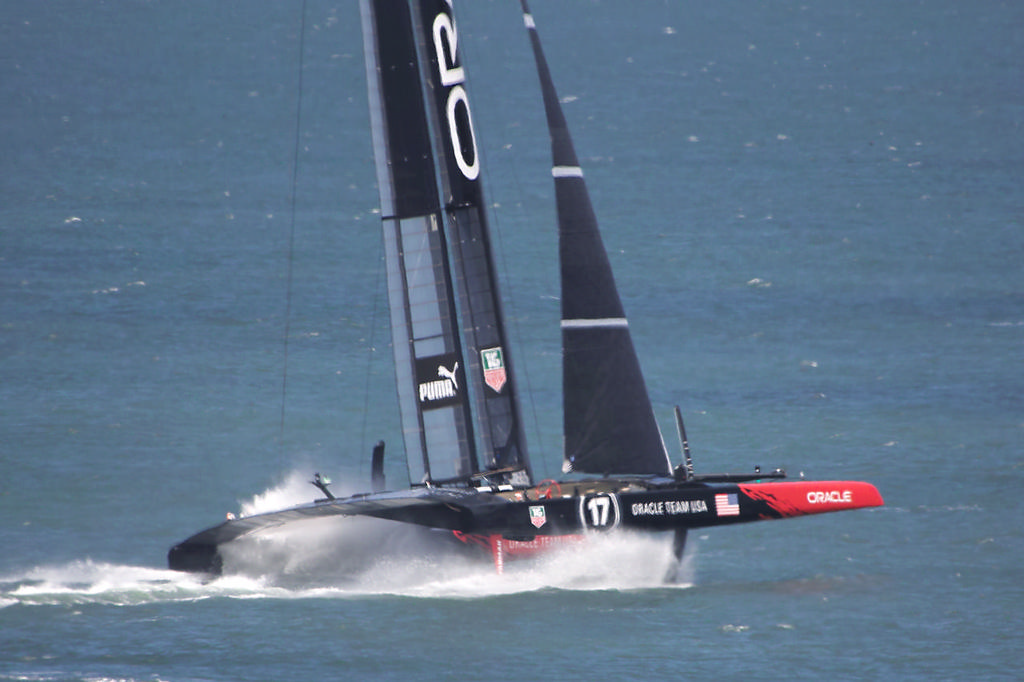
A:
x: 87, y: 581
x: 318, y: 563
x: 367, y: 556
x: 294, y: 490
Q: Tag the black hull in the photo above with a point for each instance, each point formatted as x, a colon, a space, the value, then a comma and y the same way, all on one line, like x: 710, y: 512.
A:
x: 547, y: 511
x: 195, y: 558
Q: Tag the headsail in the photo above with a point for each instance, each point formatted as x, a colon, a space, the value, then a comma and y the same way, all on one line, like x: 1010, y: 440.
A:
x: 609, y: 422
x: 451, y: 353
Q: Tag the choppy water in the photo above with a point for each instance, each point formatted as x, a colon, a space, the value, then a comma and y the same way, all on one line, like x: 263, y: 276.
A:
x: 814, y: 213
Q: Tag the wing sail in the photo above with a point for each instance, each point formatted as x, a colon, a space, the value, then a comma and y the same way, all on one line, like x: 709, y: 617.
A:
x: 430, y: 364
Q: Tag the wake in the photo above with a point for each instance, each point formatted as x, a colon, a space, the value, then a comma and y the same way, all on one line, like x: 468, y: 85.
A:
x: 351, y: 558
x: 608, y: 563
x: 88, y: 582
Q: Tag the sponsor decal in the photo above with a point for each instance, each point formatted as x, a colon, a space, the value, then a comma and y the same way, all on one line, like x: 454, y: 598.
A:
x: 456, y: 101
x: 538, y: 517
x: 727, y: 505
x: 835, y: 496
x: 439, y: 381
x: 493, y: 361
x: 812, y: 497
x: 668, y: 507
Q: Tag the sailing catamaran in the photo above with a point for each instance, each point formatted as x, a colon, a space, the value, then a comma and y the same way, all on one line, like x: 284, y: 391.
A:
x: 470, y: 474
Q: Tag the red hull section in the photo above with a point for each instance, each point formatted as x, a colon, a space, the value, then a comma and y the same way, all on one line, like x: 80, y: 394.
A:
x: 800, y: 498
x: 503, y: 548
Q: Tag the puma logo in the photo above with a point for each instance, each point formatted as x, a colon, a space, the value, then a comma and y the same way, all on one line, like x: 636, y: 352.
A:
x: 444, y: 388
x: 445, y: 373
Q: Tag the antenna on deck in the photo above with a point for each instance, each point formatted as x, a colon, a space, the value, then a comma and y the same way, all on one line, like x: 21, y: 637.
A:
x: 322, y: 482
x: 377, y: 468
x: 685, y: 470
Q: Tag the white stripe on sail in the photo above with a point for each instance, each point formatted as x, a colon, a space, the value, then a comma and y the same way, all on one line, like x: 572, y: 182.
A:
x: 567, y: 172
x: 595, y: 323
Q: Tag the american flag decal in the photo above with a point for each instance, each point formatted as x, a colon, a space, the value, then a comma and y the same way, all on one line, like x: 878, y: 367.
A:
x: 727, y: 505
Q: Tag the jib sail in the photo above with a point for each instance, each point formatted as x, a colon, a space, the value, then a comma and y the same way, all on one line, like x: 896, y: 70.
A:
x: 609, y: 422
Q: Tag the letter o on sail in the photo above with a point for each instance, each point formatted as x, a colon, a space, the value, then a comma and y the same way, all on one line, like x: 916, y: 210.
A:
x: 458, y: 108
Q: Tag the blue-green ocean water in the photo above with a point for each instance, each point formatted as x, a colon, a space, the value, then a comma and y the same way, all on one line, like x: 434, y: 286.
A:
x: 814, y: 211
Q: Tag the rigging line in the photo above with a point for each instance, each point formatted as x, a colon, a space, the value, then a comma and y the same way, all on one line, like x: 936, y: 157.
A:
x: 521, y: 360
x: 521, y: 363
x: 291, y: 226
x: 373, y: 349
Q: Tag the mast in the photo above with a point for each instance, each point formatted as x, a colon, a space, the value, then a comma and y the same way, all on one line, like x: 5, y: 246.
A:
x: 430, y: 365
x: 608, y: 419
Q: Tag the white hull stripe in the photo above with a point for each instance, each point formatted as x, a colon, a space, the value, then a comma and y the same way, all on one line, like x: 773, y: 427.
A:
x: 567, y: 172
x: 595, y: 323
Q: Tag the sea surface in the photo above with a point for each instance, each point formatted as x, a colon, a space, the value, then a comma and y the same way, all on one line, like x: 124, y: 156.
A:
x: 814, y: 212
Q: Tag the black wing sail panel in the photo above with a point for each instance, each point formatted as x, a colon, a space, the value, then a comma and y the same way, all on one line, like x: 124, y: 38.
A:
x: 609, y: 422
x: 429, y: 363
x: 499, y: 425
